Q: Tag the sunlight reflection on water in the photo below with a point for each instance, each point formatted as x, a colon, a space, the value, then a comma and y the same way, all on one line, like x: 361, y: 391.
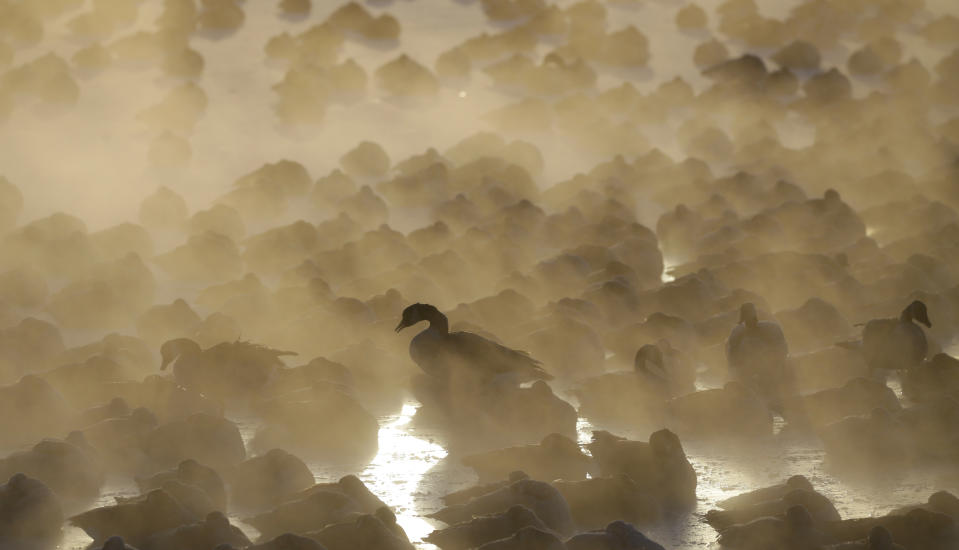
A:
x: 397, y: 471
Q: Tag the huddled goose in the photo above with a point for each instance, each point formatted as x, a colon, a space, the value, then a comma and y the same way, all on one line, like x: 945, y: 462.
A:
x: 596, y: 501
x: 68, y: 469
x: 464, y: 495
x: 540, y: 497
x: 262, y: 481
x: 214, y: 530
x: 224, y: 370
x: 819, y: 507
x: 364, y: 531
x: 556, y: 457
x: 31, y: 512
x: 483, y: 529
x: 879, y: 539
x: 617, y: 534
x: 189, y: 472
x: 796, y: 531
x: 135, y: 521
x: 765, y: 494
x: 286, y: 541
x: 527, y: 538
x: 659, y: 467
x: 898, y: 343
x: 756, y: 353
x: 638, y: 395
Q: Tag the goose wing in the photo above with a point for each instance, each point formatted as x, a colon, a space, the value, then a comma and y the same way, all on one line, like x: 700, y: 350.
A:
x: 495, y: 358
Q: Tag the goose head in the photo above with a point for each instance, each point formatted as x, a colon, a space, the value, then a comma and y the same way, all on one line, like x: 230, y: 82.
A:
x: 916, y: 311
x: 178, y: 347
x: 747, y: 314
x: 418, y: 312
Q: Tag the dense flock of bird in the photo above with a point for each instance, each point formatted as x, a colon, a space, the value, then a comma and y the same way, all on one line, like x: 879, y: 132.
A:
x: 810, y: 295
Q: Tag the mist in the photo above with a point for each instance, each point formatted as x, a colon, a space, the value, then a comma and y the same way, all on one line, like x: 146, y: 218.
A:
x: 499, y: 274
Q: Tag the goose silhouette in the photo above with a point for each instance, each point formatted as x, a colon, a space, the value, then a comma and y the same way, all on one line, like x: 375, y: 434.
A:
x: 436, y: 350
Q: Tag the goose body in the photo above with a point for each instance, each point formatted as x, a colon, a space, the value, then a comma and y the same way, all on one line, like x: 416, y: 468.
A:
x: 754, y: 345
x: 436, y: 350
x: 756, y: 353
x: 897, y: 344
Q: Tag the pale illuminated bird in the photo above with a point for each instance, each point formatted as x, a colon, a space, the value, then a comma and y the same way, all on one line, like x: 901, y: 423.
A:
x: 436, y: 350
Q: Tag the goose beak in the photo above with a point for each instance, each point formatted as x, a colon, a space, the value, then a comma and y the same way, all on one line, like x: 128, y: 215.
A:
x: 400, y: 326
x: 163, y: 365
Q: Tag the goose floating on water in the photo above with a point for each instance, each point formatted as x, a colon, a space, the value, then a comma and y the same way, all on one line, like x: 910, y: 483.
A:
x: 436, y: 349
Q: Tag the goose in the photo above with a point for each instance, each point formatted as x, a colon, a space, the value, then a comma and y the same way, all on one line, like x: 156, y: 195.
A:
x: 30, y: 510
x: 540, y: 497
x: 134, y: 521
x: 626, y: 398
x: 116, y: 543
x: 765, y: 494
x: 756, y: 352
x: 486, y: 528
x: 819, y: 507
x: 286, y: 541
x: 189, y: 472
x: 66, y: 468
x: 617, y: 534
x: 224, y: 369
x: 555, y: 457
x: 897, y: 344
x: 795, y: 531
x: 436, y: 350
x: 263, y: 481
x: 879, y: 539
x: 212, y: 531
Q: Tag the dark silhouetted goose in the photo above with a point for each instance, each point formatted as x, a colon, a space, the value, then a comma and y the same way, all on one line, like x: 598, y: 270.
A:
x: 436, y: 350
